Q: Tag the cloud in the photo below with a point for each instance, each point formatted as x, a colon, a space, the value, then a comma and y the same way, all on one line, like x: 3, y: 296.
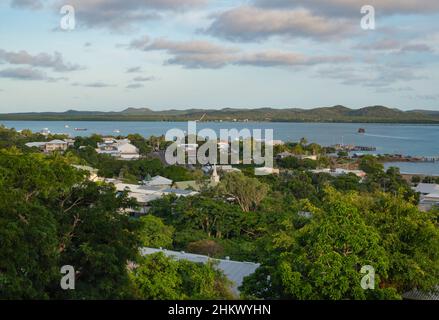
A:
x: 26, y: 74
x: 204, y: 54
x: 431, y: 97
x: 190, y: 54
x: 43, y: 60
x: 27, y: 4
x: 120, y: 15
x: 278, y: 58
x: 134, y: 86
x: 134, y: 70
x: 93, y: 85
x: 352, y: 7
x: 144, y: 79
x: 396, y: 46
x: 416, y: 48
x: 376, y: 76
x: 248, y: 23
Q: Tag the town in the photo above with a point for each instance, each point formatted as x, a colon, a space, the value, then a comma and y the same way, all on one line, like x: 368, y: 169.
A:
x: 222, y: 215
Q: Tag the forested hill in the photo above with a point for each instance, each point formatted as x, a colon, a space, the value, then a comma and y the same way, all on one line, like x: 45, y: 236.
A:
x: 378, y: 114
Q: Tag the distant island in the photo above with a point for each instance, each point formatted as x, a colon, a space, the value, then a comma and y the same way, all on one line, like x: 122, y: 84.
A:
x: 342, y: 114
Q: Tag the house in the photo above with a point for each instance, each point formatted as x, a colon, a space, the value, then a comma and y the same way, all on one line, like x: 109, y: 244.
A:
x: 419, y: 295
x: 56, y: 145
x: 50, y: 146
x: 339, y: 172
x: 235, y: 271
x: 122, y: 149
x: 228, y: 169
x: 429, y: 195
x: 144, y: 194
x: 427, y: 188
x: 264, y: 171
x: 158, y: 181
x: 287, y: 154
x: 92, y: 172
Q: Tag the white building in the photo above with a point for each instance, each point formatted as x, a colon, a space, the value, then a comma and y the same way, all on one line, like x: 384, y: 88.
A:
x: 159, y: 181
x: 429, y: 195
x: 340, y: 172
x: 50, y: 146
x: 122, y: 149
x: 266, y: 171
x: 145, y: 194
x: 287, y: 154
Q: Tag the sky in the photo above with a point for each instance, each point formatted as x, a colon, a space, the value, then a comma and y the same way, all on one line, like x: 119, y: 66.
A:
x: 180, y: 54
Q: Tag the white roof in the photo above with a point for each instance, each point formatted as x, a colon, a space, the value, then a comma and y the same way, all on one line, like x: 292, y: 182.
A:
x: 35, y: 144
x: 234, y: 270
x: 159, y: 181
x: 127, y: 148
x: 427, y: 188
x: 57, y: 142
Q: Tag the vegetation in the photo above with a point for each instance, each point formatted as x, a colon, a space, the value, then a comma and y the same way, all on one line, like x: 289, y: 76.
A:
x: 312, y: 233
x: 331, y: 114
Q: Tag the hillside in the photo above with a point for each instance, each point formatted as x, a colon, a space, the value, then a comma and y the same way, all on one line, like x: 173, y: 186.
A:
x: 379, y: 114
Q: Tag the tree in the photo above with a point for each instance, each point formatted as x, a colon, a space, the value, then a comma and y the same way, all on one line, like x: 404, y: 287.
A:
x: 322, y: 258
x: 51, y: 216
x: 155, y: 233
x: 370, y: 165
x: 158, y: 277
x: 248, y: 192
x: 206, y: 247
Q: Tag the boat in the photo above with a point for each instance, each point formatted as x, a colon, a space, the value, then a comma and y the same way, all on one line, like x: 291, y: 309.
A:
x: 116, y: 131
x: 361, y: 130
x: 66, y: 126
x: 81, y: 129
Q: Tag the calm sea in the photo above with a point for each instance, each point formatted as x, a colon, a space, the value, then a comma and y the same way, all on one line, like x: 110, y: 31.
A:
x: 406, y: 139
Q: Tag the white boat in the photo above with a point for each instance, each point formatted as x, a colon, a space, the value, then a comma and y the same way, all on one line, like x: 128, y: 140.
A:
x: 66, y: 126
x: 116, y: 131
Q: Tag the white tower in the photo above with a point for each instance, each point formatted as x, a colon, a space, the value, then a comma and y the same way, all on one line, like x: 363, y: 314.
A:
x: 215, y: 178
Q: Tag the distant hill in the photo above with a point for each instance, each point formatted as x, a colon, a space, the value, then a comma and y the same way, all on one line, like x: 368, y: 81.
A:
x: 378, y: 114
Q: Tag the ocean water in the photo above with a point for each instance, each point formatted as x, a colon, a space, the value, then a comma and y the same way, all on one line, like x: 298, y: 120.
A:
x: 406, y: 139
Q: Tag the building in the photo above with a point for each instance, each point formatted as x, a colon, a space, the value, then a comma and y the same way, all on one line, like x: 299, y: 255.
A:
x: 419, y: 295
x: 215, y: 178
x: 287, y: 154
x: 51, y: 146
x: 429, y: 195
x: 56, y: 145
x: 264, y: 171
x: 158, y: 181
x: 340, y: 172
x: 235, y: 271
x: 92, y: 172
x: 228, y: 169
x: 122, y: 149
x: 144, y: 194
x: 427, y: 188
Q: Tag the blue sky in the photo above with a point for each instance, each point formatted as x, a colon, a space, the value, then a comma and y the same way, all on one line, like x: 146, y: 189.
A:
x: 216, y: 54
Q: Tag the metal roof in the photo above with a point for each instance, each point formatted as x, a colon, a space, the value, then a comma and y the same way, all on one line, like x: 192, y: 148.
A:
x: 427, y: 188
